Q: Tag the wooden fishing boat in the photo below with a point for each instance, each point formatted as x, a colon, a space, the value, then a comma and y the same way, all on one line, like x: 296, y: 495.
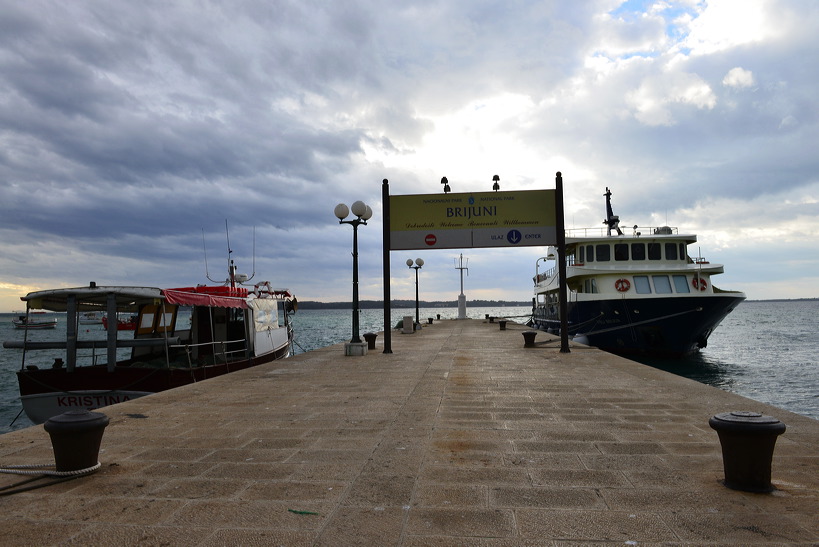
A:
x: 182, y: 336
x: 33, y: 320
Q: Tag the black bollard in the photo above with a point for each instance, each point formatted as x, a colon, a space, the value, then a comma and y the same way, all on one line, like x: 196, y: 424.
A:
x: 502, y: 324
x: 429, y: 320
x: 748, y: 440
x: 529, y: 338
x: 370, y: 339
x: 75, y: 438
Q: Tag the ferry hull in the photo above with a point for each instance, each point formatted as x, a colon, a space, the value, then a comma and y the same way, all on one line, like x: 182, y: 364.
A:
x: 656, y: 327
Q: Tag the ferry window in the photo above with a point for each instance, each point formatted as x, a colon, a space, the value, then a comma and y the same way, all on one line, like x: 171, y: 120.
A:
x: 593, y: 285
x: 603, y: 253
x: 641, y: 284
x: 621, y: 251
x: 682, y: 251
x: 671, y: 251
x: 681, y: 284
x: 654, y: 251
x: 661, y: 284
x: 638, y: 251
x: 582, y: 256
x: 590, y: 253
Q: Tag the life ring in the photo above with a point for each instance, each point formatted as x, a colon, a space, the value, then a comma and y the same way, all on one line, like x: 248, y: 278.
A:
x: 622, y: 285
x: 699, y: 283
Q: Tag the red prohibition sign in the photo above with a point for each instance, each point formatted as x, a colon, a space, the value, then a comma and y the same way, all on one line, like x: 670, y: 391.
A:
x: 430, y: 239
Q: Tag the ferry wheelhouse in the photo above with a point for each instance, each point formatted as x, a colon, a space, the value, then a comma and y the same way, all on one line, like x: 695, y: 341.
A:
x: 639, y: 293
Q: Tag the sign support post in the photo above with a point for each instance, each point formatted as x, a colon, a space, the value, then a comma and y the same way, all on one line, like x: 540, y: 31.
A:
x: 385, y: 204
x: 561, y: 264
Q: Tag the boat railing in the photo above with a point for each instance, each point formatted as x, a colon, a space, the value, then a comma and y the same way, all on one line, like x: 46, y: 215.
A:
x: 633, y: 231
x: 219, y: 349
x: 541, y: 277
x: 88, y: 344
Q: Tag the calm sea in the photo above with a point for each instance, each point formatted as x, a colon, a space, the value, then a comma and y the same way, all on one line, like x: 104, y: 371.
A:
x: 764, y: 350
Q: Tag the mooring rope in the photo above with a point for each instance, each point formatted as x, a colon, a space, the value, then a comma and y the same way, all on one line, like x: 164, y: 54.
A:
x: 43, y: 470
x: 38, y: 472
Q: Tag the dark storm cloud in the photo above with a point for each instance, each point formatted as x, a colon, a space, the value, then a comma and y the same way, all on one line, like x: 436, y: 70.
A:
x: 130, y: 130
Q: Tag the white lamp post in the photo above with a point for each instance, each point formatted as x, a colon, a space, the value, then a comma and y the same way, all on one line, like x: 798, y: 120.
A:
x: 362, y: 213
x: 418, y: 263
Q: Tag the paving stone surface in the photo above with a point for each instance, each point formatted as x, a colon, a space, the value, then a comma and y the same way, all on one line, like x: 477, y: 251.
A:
x: 461, y: 436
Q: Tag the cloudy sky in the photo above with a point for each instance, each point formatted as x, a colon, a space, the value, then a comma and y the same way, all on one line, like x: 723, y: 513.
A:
x: 132, y: 133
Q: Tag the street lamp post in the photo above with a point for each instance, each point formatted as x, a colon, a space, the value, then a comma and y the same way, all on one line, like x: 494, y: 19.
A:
x: 418, y: 263
x: 362, y: 213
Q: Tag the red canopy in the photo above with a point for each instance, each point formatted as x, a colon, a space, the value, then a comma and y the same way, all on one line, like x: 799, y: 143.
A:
x: 185, y: 298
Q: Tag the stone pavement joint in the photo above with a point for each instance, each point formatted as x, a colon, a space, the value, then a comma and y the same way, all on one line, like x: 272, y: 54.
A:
x: 461, y: 436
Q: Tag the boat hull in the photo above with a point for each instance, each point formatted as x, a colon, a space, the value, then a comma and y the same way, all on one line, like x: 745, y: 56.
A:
x: 657, y: 327
x: 49, y: 392
x: 35, y: 325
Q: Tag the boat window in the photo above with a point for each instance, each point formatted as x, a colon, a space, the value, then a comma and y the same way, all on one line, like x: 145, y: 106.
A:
x: 594, y: 286
x: 671, y: 251
x: 167, y: 320
x: 152, y: 320
x: 638, y: 251
x: 661, y: 284
x: 681, y: 284
x: 621, y: 251
x: 590, y: 253
x: 590, y: 286
x: 654, y: 251
x: 682, y: 251
x: 146, y: 320
x: 603, y: 252
x: 641, y: 284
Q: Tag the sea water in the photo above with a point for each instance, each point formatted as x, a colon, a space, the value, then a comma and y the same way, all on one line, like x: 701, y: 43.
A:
x: 764, y: 350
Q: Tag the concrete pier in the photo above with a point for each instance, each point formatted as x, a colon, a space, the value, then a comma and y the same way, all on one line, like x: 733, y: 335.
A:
x: 462, y: 436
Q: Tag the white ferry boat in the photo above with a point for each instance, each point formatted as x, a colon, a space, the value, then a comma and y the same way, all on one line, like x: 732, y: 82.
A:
x: 633, y: 294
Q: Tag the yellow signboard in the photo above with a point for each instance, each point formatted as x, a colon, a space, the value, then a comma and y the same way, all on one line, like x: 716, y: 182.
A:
x: 477, y: 219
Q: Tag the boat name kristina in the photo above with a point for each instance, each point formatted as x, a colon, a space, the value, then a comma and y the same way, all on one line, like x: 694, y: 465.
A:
x: 94, y: 401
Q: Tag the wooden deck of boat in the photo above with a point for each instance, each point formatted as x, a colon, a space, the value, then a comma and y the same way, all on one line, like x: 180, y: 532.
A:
x: 460, y: 437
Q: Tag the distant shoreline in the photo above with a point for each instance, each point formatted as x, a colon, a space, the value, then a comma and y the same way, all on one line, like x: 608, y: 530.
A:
x: 785, y: 300
x: 401, y: 304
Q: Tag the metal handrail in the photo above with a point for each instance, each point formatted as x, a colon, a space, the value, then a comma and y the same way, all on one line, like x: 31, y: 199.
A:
x: 223, y: 352
x: 645, y: 231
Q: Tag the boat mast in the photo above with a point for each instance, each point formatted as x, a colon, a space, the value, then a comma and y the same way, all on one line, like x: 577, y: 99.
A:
x: 612, y: 221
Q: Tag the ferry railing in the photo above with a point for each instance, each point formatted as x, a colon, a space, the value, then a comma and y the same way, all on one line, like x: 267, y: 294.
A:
x: 636, y: 231
x: 551, y: 272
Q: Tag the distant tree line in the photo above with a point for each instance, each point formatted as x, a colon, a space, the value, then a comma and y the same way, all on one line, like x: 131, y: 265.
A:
x: 397, y: 304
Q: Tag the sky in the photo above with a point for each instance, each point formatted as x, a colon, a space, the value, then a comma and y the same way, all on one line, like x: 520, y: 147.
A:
x: 140, y: 141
